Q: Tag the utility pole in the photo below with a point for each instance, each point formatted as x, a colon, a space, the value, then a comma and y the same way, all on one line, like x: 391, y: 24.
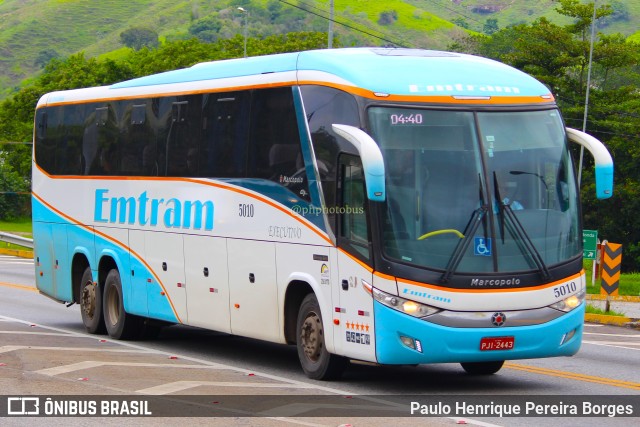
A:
x: 330, y: 42
x: 246, y: 24
x: 586, y: 99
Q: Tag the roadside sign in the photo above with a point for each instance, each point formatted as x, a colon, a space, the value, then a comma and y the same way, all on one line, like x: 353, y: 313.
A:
x: 589, y: 244
x: 611, y: 265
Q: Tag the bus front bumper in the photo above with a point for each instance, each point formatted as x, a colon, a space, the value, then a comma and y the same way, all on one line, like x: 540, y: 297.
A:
x: 432, y: 343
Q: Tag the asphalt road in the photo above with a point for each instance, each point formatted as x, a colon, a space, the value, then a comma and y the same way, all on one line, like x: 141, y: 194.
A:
x: 44, y: 350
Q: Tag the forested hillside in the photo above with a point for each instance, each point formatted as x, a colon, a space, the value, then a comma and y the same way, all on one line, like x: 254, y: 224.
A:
x: 34, y: 31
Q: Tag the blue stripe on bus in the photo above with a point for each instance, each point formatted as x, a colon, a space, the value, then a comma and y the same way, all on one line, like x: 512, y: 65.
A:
x: 218, y: 70
x: 391, y: 71
x: 440, y: 74
x: 441, y: 344
x: 58, y: 285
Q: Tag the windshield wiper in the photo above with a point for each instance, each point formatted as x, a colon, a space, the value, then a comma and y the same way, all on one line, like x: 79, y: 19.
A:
x: 469, y: 232
x: 515, y: 227
x: 501, y: 205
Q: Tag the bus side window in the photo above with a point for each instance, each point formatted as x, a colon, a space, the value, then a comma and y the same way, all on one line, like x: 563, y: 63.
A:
x: 45, y: 143
x: 353, y: 231
x: 135, y: 134
x: 325, y: 106
x: 275, y: 152
x: 176, y: 145
x: 102, y: 136
x: 223, y: 151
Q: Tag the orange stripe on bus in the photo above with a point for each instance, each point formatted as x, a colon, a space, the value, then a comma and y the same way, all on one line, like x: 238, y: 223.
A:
x: 445, y: 289
x: 437, y: 99
x: 265, y: 200
x: 117, y: 242
x: 365, y: 93
x: 174, y: 93
x: 531, y: 288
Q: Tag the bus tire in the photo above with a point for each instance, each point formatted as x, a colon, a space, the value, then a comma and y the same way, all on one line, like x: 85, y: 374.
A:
x: 91, y: 304
x: 317, y: 363
x: 120, y: 324
x: 482, y: 368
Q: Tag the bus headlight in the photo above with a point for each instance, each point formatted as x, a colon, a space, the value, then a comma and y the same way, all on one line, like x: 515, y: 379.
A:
x: 403, y: 305
x: 571, y: 302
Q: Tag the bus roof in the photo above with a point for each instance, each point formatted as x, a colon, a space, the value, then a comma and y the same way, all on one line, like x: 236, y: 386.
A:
x: 380, y: 71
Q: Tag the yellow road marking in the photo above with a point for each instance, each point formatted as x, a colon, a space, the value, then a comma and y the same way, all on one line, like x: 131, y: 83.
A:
x: 574, y: 376
x: 23, y: 287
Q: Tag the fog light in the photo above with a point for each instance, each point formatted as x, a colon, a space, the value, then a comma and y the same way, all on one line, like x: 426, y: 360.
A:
x: 413, y: 344
x: 567, y: 337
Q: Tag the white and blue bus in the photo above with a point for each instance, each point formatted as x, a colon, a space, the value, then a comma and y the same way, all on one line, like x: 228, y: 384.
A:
x: 391, y: 206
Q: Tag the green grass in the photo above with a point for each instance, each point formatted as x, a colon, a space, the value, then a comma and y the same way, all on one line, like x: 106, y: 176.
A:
x: 594, y: 310
x: 629, y: 282
x: 21, y: 227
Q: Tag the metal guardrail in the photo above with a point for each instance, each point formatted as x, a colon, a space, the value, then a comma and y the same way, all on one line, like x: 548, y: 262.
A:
x: 16, y: 240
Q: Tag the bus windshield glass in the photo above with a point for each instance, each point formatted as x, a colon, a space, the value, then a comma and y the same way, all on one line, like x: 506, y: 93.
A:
x: 489, y: 191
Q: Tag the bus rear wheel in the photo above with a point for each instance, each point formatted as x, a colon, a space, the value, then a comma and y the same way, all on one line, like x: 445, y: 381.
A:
x: 482, y: 368
x: 91, y: 304
x: 317, y: 363
x: 120, y: 324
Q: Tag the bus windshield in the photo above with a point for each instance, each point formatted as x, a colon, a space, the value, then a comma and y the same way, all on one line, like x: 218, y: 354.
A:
x: 489, y: 191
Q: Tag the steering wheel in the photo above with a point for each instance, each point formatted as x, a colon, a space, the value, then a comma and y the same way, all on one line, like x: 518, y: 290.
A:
x: 443, y: 231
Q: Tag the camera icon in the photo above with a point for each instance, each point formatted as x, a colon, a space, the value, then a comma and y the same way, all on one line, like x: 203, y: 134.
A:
x: 23, y: 406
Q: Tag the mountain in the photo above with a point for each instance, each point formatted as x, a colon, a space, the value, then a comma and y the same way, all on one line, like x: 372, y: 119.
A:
x: 34, y: 31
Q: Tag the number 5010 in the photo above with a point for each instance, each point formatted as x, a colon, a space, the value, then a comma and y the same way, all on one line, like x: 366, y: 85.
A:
x: 565, y: 289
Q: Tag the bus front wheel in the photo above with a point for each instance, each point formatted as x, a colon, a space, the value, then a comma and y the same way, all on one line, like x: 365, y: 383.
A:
x: 317, y: 363
x: 91, y: 304
x: 482, y: 368
x: 120, y: 324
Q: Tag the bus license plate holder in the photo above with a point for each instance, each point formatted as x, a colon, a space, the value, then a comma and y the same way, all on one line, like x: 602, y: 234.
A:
x: 497, y: 343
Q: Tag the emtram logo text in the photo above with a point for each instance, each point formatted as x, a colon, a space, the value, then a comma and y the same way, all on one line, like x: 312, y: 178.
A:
x: 143, y: 210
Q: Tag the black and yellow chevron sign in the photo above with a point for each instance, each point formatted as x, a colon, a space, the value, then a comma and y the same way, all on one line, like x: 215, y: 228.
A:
x: 611, y: 264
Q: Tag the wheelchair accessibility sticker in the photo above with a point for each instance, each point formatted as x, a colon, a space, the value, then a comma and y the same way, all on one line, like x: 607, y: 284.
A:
x: 482, y: 246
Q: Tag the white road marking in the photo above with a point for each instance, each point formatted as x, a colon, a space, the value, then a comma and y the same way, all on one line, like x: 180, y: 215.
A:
x: 10, y: 348
x: 51, y: 334
x: 612, y: 335
x: 613, y: 344
x: 88, y: 364
x: 184, y: 385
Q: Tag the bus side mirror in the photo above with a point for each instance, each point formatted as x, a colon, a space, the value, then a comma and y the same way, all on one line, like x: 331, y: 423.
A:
x: 603, y: 161
x: 371, y: 157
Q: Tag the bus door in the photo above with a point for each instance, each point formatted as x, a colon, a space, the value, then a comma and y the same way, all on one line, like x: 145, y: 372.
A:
x: 205, y: 260
x: 140, y: 277
x: 354, y: 336
x: 165, y: 256
x: 253, y: 294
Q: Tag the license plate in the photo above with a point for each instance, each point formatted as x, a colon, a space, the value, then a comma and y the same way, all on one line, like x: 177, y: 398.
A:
x: 497, y: 343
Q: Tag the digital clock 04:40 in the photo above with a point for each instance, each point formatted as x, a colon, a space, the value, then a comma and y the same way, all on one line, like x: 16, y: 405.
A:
x: 406, y: 119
